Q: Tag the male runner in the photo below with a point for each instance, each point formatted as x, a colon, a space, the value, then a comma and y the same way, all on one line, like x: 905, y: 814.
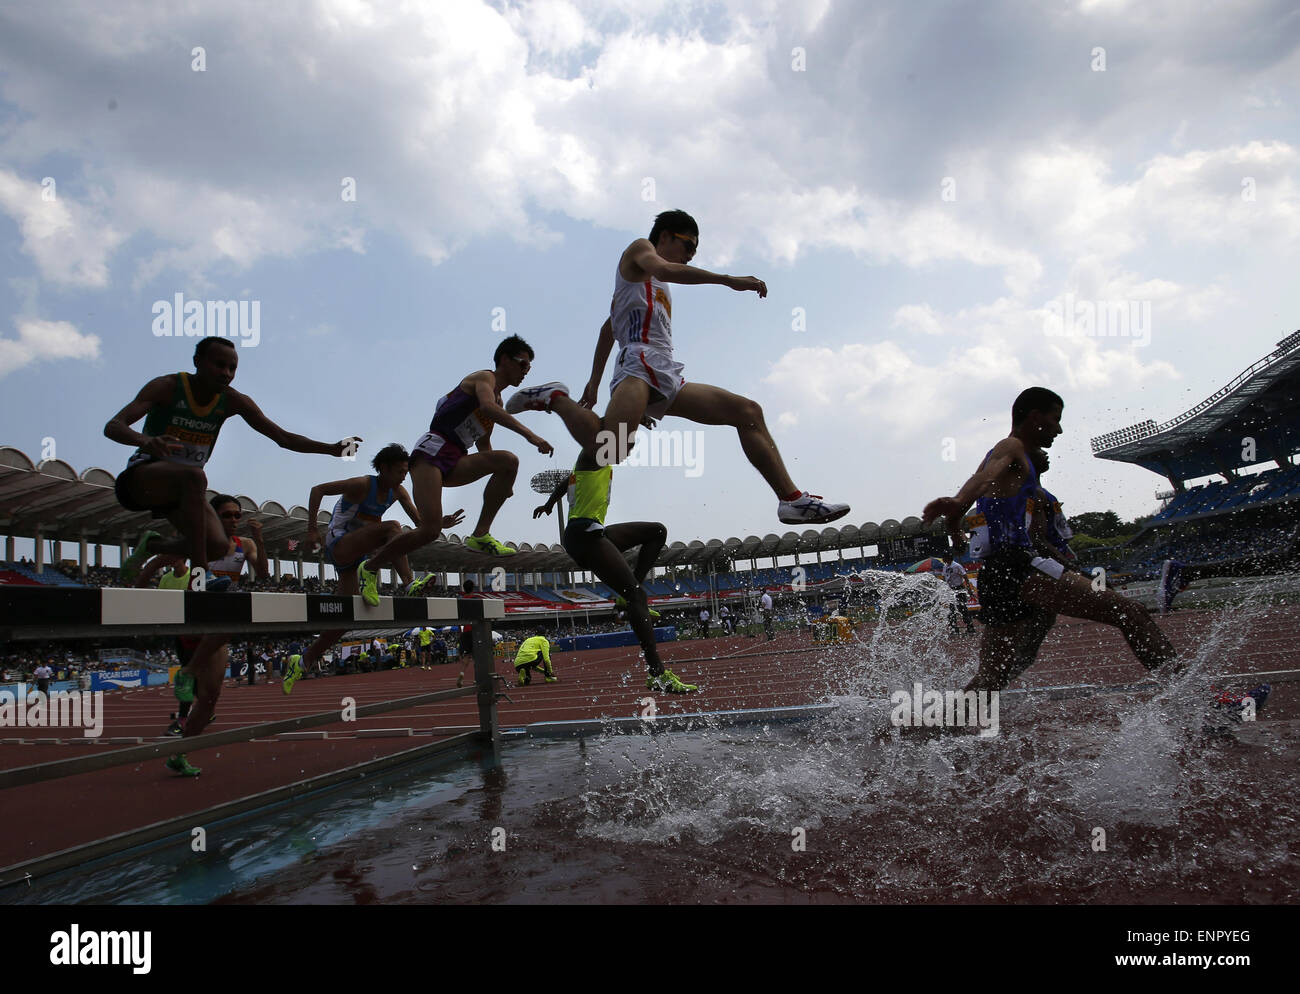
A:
x: 1012, y: 584
x: 464, y: 417
x: 648, y: 383
x: 599, y: 548
x: 526, y: 660
x: 357, y: 528
x: 204, y: 660
x: 183, y: 414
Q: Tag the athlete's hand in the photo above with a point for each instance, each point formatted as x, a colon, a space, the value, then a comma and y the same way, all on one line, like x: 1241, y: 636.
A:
x: 543, y: 446
x: 348, y: 447
x: 455, y: 518
x: 943, y: 507
x: 539, y: 511
x: 163, y: 446
x: 255, y: 527
x: 743, y: 283
x: 589, y: 394
x: 313, y: 539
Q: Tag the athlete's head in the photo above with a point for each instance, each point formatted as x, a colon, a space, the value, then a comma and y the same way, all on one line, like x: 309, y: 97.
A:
x: 391, y: 463
x: 513, y: 357
x: 675, y: 236
x: 1036, y: 416
x: 229, y: 510
x: 215, y: 361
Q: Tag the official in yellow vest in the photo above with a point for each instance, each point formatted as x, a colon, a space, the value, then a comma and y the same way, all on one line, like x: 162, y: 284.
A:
x: 530, y: 652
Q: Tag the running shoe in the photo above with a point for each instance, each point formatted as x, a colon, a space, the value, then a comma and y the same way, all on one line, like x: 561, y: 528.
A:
x: 179, y: 764
x: 184, y: 687
x: 131, y: 566
x: 170, y: 580
x: 621, y: 604
x: 667, y: 683
x: 175, y: 727
x: 809, y: 509
x: 535, y: 398
x: 292, y: 674
x: 369, y: 586
x: 486, y: 543
x: 417, y: 585
x: 552, y: 679
x: 1170, y: 573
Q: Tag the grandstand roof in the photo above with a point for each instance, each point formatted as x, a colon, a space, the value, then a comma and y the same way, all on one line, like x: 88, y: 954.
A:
x: 65, y: 505
x: 1262, y: 402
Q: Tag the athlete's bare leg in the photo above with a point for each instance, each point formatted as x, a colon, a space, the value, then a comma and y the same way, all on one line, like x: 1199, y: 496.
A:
x: 426, y: 495
x: 583, y: 423
x: 1073, y: 595
x: 503, y: 467
x: 202, y: 538
x: 622, y: 419
x: 1006, y: 651
x: 709, y: 405
x: 208, y: 667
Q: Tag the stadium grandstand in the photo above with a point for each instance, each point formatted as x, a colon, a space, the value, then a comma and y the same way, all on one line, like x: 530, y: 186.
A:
x: 1241, y: 445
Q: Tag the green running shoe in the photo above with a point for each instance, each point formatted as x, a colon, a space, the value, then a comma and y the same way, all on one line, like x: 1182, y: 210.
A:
x: 131, y: 566
x: 179, y: 764
x: 552, y: 679
x: 667, y: 683
x: 184, y: 687
x: 417, y: 585
x: 292, y: 674
x: 369, y: 588
x: 621, y: 604
x: 170, y: 581
x: 486, y: 543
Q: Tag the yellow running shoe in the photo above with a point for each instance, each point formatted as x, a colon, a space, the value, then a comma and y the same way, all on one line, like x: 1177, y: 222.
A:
x: 369, y: 586
x: 667, y: 683
x: 486, y: 543
x: 292, y: 674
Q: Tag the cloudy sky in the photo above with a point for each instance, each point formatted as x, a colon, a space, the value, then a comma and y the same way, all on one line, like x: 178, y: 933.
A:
x: 926, y: 189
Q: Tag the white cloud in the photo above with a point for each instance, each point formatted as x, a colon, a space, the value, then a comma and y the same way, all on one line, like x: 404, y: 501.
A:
x: 70, y: 242
x: 45, y: 340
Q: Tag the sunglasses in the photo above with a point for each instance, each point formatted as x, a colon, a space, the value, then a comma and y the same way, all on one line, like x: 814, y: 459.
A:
x: 692, y: 242
x: 523, y: 361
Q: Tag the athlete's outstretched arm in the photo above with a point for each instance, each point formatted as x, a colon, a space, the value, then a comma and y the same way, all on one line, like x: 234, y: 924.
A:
x: 604, y: 345
x: 642, y: 254
x: 354, y: 489
x: 557, y: 494
x: 260, y: 560
x: 487, y: 401
x: 408, y: 506
x: 157, y: 391
x: 1006, y: 452
x: 243, y: 406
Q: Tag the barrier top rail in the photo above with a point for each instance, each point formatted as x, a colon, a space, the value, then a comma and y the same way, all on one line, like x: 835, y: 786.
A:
x: 30, y: 613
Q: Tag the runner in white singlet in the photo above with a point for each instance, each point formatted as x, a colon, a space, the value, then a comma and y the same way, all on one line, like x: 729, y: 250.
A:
x: 648, y: 381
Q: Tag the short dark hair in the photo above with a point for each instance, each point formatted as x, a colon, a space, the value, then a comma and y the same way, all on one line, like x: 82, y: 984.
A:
x: 1034, y: 399
x: 509, y: 347
x: 220, y: 499
x: 467, y: 586
x: 201, y: 349
x: 674, y: 222
x: 389, y: 454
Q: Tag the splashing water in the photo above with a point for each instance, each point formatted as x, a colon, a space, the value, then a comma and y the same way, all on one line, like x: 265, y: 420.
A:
x: 1107, y: 796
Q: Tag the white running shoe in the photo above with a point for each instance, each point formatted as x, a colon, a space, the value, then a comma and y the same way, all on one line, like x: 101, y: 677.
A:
x: 535, y: 398
x: 809, y: 509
